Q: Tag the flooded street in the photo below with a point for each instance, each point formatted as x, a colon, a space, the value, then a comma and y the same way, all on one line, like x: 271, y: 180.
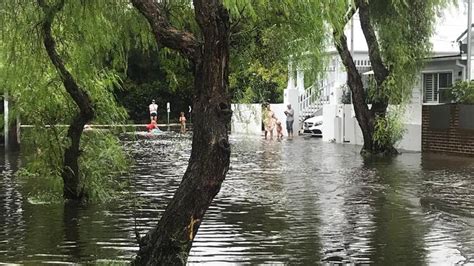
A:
x: 303, y: 201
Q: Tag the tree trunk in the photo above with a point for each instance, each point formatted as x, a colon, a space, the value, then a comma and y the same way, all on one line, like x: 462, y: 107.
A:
x: 73, y: 188
x: 170, y: 241
x: 365, y: 117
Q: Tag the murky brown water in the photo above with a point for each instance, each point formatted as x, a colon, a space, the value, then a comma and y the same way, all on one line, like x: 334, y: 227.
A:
x: 292, y: 202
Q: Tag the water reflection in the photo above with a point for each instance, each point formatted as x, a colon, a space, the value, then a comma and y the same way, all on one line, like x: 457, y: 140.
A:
x: 11, y: 208
x: 293, y: 202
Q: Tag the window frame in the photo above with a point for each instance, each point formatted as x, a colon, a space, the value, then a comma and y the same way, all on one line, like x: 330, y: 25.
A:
x: 437, y: 73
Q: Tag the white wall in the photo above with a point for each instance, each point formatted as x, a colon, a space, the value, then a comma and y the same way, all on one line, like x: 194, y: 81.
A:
x: 412, y: 114
x: 329, y: 122
x: 246, y: 119
x: 340, y: 124
x: 411, y: 141
x: 351, y: 130
x: 412, y: 120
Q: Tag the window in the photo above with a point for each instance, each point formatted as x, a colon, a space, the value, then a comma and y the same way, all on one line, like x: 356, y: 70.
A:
x: 434, y: 84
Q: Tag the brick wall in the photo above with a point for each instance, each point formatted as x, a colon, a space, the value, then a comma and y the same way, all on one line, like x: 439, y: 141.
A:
x: 448, y: 128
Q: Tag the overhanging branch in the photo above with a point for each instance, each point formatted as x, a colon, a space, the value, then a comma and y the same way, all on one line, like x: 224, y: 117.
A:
x: 380, y: 71
x: 80, y: 97
x: 349, y: 14
x: 165, y: 34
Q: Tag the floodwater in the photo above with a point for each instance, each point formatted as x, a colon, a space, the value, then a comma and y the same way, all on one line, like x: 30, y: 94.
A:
x: 300, y: 202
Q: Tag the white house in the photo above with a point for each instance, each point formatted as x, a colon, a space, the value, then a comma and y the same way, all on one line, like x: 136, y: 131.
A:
x: 447, y: 65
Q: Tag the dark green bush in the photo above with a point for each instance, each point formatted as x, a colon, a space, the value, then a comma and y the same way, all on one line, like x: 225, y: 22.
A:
x: 463, y: 92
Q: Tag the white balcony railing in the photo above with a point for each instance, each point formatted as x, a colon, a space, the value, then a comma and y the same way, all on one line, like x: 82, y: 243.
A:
x: 312, y: 99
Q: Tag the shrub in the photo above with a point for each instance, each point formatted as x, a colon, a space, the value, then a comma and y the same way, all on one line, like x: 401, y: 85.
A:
x: 101, y: 162
x: 389, y: 129
x: 463, y: 92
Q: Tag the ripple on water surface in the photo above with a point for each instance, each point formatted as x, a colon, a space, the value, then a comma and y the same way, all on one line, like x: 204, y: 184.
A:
x: 293, y: 202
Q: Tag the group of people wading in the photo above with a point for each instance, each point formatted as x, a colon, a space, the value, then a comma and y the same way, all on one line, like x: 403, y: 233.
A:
x: 270, y: 122
x: 153, y: 126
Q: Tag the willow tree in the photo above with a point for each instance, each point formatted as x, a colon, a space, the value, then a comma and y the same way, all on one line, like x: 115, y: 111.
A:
x: 73, y: 188
x: 60, y: 58
x: 397, y: 34
x: 207, y: 49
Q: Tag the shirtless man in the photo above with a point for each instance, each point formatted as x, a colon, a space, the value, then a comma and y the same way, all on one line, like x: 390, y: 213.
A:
x: 153, y: 107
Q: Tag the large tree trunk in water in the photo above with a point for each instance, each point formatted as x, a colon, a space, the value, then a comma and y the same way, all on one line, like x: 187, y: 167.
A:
x: 170, y: 241
x: 365, y: 117
x: 73, y: 188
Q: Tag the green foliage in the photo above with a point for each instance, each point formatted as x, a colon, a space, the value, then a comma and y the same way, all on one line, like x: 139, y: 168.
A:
x: 136, y: 98
x: 265, y: 36
x: 93, y: 38
x: 463, y: 92
x: 389, y: 129
x: 42, y: 152
x: 102, y: 149
x: 445, y: 96
x: 346, y: 97
x: 178, y: 73
x: 402, y: 36
x: 404, y: 29
x: 158, y: 72
x: 102, y: 160
x: 257, y: 84
x: 155, y: 74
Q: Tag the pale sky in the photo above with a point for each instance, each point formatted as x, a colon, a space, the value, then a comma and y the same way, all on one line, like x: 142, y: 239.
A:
x: 451, y: 24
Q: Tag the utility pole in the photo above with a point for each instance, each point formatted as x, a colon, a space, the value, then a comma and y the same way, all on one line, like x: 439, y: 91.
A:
x: 352, y: 35
x: 168, y: 110
x: 343, y: 107
x: 469, y: 50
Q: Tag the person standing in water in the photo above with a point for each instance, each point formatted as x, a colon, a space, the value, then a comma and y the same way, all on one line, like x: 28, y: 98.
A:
x: 268, y: 121
x: 279, y: 129
x: 153, y: 107
x: 290, y: 113
x: 182, y: 121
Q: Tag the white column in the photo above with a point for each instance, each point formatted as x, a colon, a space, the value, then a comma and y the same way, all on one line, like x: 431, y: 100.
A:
x: 291, y: 76
x: 291, y: 97
x: 5, y: 118
x: 300, y: 80
x: 352, y: 35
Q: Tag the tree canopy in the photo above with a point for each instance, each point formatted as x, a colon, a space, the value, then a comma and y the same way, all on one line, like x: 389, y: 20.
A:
x: 246, y: 42
x: 92, y: 38
x: 397, y: 34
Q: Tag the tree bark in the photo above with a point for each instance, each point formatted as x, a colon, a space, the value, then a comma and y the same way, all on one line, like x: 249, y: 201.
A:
x: 365, y: 117
x: 354, y: 81
x: 165, y: 34
x: 170, y: 241
x: 73, y: 188
x: 379, y: 104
